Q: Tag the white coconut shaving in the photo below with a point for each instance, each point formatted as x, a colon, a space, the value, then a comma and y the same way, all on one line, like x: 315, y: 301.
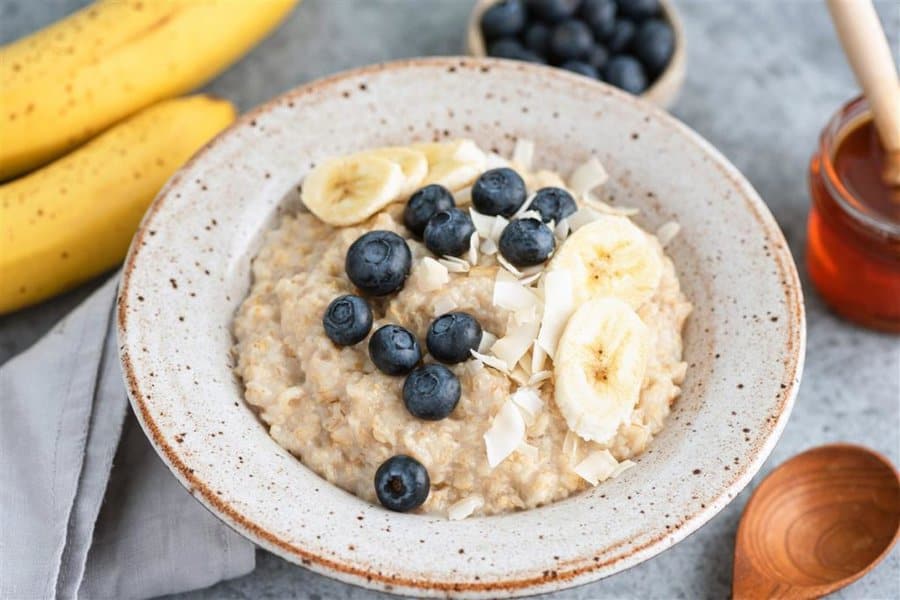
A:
x: 463, y: 196
x: 490, y: 361
x: 523, y: 153
x: 538, y: 377
x: 597, y: 466
x: 463, y: 508
x: 621, y: 468
x: 559, y: 303
x: 473, y: 249
x: 517, y: 341
x: 509, y: 293
x: 434, y: 275
x: 484, y: 224
x: 527, y: 280
x: 506, y: 433
x: 529, y: 401
x: 487, y: 341
x: 488, y: 247
x: 530, y: 214
x: 538, y: 358
x: 519, y: 376
x: 525, y: 207
x: 570, y: 445
x: 443, y: 305
x: 587, y: 176
x: 593, y: 202
x: 530, y: 452
x: 497, y: 228
x: 454, y: 264
x: 667, y: 232
x: 561, y: 230
x: 495, y: 161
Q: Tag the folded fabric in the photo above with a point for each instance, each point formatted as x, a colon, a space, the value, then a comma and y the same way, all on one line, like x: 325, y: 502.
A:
x: 87, y: 508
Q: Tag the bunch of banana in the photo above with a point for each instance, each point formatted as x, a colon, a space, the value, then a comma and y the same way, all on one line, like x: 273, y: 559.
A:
x: 66, y: 83
x: 349, y: 189
x: 602, y: 355
x: 75, y: 217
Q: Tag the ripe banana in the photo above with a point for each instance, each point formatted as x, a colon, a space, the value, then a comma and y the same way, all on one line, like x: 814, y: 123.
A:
x: 610, y: 257
x: 453, y: 165
x: 64, y: 84
x: 74, y: 218
x: 413, y: 164
x: 599, y: 367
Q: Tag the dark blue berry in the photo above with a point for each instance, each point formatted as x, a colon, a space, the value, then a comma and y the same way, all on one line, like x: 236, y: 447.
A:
x: 503, y: 18
x: 512, y: 49
x: 378, y: 262
x: 582, y: 68
x: 394, y: 350
x: 452, y: 336
x: 554, y: 204
x: 600, y: 16
x: 526, y: 242
x: 498, y: 192
x: 639, y: 9
x: 402, y: 483
x: 597, y: 57
x: 621, y: 36
x: 625, y: 72
x: 552, y: 11
x: 654, y: 44
x: 570, y: 40
x: 537, y: 38
x: 347, y: 320
x: 424, y: 204
x: 448, y: 232
x: 431, y: 392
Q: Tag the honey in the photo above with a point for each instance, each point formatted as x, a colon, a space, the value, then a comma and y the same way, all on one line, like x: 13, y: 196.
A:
x: 853, y: 245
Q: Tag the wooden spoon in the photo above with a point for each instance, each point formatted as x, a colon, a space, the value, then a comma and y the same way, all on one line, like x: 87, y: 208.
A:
x: 817, y: 523
x: 870, y: 58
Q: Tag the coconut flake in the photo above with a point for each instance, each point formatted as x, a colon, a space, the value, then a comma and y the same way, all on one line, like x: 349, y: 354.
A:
x: 484, y: 224
x: 513, y: 346
x: 529, y: 279
x: 538, y: 377
x: 468, y: 152
x: 622, y: 467
x: 559, y: 303
x: 523, y: 153
x: 508, y: 266
x: 588, y: 176
x: 609, y: 209
x: 495, y: 161
x: 523, y: 208
x: 443, y: 305
x: 538, y: 358
x: 490, y: 361
x: 529, y: 401
x: 597, y: 466
x: 454, y: 264
x: 524, y: 315
x: 473, y: 249
x: 488, y: 247
x: 463, y: 196
x: 530, y: 214
x: 510, y: 294
x: 561, y: 230
x: 507, y: 431
x: 434, y: 275
x: 570, y: 445
x: 528, y: 451
x: 519, y: 375
x: 667, y: 232
x: 497, y: 228
x: 487, y: 340
x: 463, y: 508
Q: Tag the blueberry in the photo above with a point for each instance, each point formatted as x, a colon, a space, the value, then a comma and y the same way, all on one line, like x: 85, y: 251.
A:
x: 506, y: 17
x: 526, y: 242
x: 431, y: 392
x: 570, y: 40
x: 626, y: 72
x: 448, y: 232
x: 582, y: 68
x: 654, y: 44
x: 424, y: 204
x: 394, y: 350
x: 402, y: 483
x: 498, y: 192
x: 639, y: 9
x: 537, y: 38
x: 452, y: 335
x: 552, y: 11
x: 621, y: 36
x: 600, y: 15
x: 597, y: 57
x: 378, y: 262
x: 511, y: 48
x: 554, y: 204
x: 347, y: 320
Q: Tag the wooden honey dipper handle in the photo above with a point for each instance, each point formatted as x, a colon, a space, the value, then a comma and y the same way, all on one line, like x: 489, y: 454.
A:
x: 870, y: 58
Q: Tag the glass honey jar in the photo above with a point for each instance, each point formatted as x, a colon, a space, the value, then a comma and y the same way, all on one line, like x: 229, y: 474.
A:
x: 853, y: 244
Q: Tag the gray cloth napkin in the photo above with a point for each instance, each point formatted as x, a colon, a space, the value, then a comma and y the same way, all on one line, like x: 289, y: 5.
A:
x: 87, y: 508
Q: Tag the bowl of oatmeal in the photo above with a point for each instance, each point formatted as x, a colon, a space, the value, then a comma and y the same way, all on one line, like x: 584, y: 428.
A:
x: 507, y: 309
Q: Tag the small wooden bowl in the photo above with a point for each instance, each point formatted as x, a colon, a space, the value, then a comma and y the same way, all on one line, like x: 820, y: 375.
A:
x: 664, y: 90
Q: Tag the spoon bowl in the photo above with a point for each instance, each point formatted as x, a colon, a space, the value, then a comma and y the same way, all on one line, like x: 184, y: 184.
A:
x: 817, y: 523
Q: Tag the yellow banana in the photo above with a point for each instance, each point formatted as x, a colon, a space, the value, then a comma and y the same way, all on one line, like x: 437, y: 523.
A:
x: 64, y: 84
x: 74, y: 218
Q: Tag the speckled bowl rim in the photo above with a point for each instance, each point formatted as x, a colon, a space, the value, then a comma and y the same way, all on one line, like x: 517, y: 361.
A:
x: 536, y: 582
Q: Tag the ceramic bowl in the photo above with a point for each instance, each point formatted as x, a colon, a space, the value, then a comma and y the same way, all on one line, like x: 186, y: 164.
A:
x: 662, y: 92
x: 189, y: 269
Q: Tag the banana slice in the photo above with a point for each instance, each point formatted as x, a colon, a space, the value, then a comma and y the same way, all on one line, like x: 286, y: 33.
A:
x: 610, y: 257
x: 412, y: 162
x: 349, y: 189
x: 599, y: 368
x: 453, y: 165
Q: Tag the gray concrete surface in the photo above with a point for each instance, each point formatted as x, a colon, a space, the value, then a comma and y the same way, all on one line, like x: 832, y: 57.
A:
x: 763, y: 77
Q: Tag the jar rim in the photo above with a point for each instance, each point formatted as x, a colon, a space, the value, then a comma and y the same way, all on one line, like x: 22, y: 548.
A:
x: 845, y: 120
